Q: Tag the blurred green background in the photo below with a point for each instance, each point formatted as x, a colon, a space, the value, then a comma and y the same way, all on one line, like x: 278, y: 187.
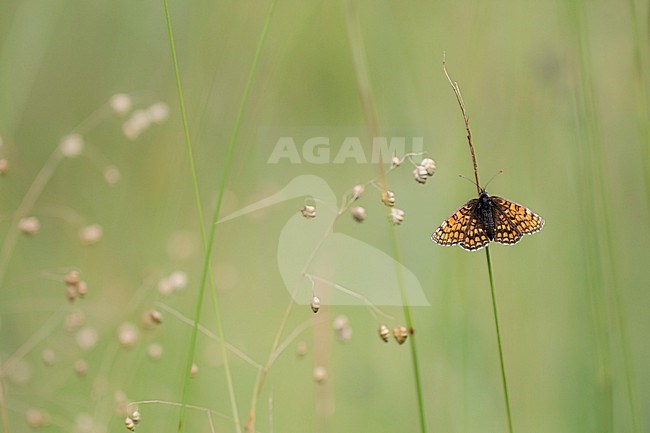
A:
x: 557, y: 96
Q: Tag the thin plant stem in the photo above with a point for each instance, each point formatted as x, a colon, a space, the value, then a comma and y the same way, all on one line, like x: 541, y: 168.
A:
x: 504, y: 381
x: 372, y: 123
x: 209, y: 240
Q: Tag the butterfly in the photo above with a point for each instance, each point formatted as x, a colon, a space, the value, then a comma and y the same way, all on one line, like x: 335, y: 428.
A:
x: 484, y: 219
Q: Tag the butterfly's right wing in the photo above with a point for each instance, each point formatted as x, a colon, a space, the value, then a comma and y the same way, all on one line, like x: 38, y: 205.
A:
x: 522, y: 219
x: 475, y: 235
x: 454, y: 229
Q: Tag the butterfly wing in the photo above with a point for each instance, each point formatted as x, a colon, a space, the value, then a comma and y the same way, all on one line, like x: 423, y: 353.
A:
x: 514, y: 217
x: 475, y: 235
x: 454, y: 229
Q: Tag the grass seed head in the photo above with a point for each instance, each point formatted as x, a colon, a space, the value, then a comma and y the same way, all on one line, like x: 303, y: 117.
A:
x: 420, y: 174
x: 91, y: 234
x: 400, y: 333
x: 194, y: 371
x: 4, y: 166
x: 396, y: 216
x: 71, y: 146
x: 80, y: 367
x: 37, y: 418
x: 315, y: 304
x: 120, y: 103
x: 154, y: 351
x: 358, y: 213
x: 129, y: 424
x: 308, y: 211
x: 127, y: 335
x: 384, y: 333
x: 158, y: 112
x: 388, y: 198
x: 29, y: 225
x: 357, y: 190
x: 319, y: 374
x: 430, y: 165
x: 48, y: 356
x: 155, y: 316
x: 301, y: 349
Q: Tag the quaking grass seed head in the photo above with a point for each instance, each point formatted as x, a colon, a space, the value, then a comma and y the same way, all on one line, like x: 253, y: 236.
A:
x: 4, y: 166
x: 384, y: 333
x: 396, y: 216
x: 430, y: 165
x: 308, y: 211
x: 400, y: 333
x: 388, y: 198
x: 129, y: 424
x: 29, y: 225
x: 315, y: 304
x: 420, y: 174
x: 358, y: 213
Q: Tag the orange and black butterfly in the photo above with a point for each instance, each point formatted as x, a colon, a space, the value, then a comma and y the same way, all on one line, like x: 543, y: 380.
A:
x: 484, y: 219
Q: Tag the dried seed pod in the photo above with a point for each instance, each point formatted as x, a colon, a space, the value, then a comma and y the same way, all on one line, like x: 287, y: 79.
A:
x: 70, y: 292
x: 319, y: 374
x: 71, y: 278
x: 82, y: 289
x: 388, y: 197
x: 344, y: 334
x: 384, y: 333
x: 315, y: 304
x: 301, y: 349
x: 400, y: 333
x: 135, y: 416
x: 71, y: 145
x: 127, y: 335
x: 395, y: 161
x: 340, y: 322
x: 80, y: 367
x: 154, y: 351
x: 420, y: 174
x: 358, y: 213
x: 308, y: 211
x: 120, y: 103
x: 4, y: 166
x: 91, y: 234
x: 128, y: 423
x: 155, y: 316
x: 396, y: 216
x: 357, y: 190
x: 194, y: 371
x: 29, y: 225
x: 430, y: 165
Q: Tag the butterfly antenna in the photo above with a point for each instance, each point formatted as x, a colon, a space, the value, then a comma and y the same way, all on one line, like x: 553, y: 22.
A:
x: 468, y: 179
x: 492, y: 178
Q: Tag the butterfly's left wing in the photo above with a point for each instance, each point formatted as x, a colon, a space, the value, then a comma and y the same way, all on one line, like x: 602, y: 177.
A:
x: 453, y: 230
x: 475, y: 235
x: 518, y: 217
x: 505, y: 228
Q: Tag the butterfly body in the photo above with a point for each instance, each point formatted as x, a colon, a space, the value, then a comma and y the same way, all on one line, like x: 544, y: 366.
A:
x: 484, y: 219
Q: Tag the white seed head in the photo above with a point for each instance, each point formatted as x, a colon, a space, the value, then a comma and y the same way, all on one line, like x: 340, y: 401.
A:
x: 384, y: 333
x: 71, y: 278
x: 154, y: 351
x: 395, y: 161
x: 87, y: 338
x: 4, y: 166
x: 308, y: 211
x: 396, y: 216
x: 319, y: 374
x: 165, y: 287
x: 71, y: 292
x: 129, y: 424
x: 430, y: 165
x: 178, y: 280
x: 341, y: 321
x: 127, y: 335
x: 357, y: 190
x: 155, y: 316
x: 48, y: 356
x: 344, y: 334
x: 91, y: 234
x: 74, y: 321
x: 315, y: 304
x: 29, y: 225
x: 71, y: 145
x: 80, y: 367
x: 112, y: 174
x: 400, y: 333
x: 121, y: 103
x: 358, y: 213
x: 135, y: 416
x: 82, y: 289
x: 388, y: 198
x: 420, y: 174
x: 130, y: 130
x: 140, y: 120
x: 37, y: 418
x: 194, y: 371
x: 301, y: 349
x: 158, y: 112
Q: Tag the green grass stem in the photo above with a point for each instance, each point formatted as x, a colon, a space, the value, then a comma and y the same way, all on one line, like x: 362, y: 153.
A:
x: 504, y: 380
x: 209, y: 240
